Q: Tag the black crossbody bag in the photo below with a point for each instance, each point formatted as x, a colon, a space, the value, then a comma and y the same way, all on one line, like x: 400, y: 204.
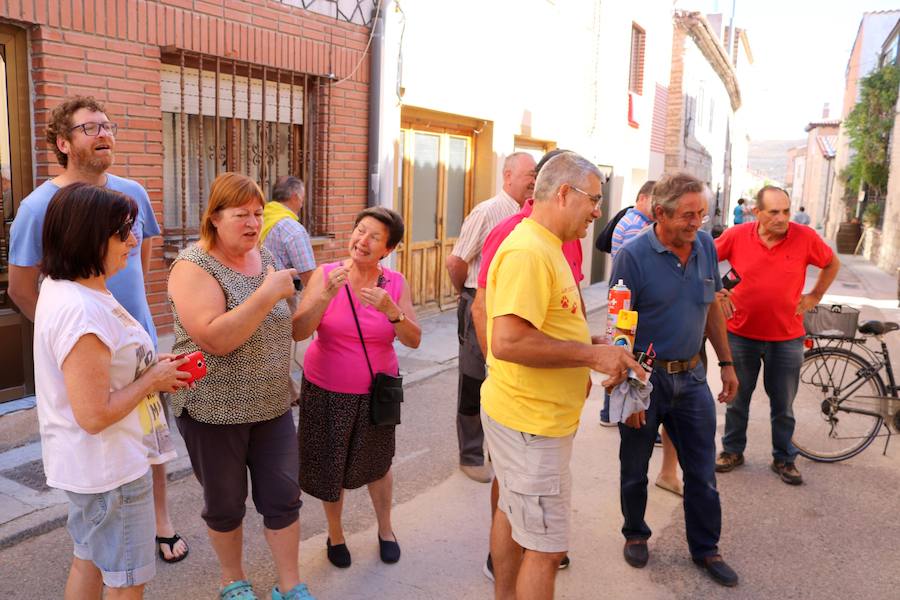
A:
x: 386, y: 392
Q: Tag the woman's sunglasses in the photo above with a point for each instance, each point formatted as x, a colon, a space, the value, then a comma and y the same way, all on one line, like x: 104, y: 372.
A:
x: 124, y: 230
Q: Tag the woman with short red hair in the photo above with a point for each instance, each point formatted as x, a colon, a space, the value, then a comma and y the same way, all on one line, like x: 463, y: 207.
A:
x: 230, y: 303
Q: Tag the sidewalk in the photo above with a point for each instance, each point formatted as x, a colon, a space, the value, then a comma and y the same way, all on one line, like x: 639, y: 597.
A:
x: 28, y: 508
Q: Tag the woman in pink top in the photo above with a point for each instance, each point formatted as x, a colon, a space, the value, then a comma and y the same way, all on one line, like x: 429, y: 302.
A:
x: 339, y: 447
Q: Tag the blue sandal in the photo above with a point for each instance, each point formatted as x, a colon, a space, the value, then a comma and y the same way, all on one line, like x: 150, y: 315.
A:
x: 298, y: 592
x: 238, y: 590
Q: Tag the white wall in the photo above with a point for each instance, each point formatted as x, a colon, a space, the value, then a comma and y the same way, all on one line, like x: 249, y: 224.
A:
x: 556, y: 71
x: 712, y: 109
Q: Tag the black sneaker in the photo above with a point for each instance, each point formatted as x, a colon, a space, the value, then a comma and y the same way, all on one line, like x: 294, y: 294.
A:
x: 488, y: 568
x: 564, y: 563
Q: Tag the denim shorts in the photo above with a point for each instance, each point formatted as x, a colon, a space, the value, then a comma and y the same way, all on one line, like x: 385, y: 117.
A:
x: 115, y: 530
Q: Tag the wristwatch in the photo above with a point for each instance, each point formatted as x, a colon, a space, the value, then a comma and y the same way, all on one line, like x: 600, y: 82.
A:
x: 400, y: 318
x: 726, y: 363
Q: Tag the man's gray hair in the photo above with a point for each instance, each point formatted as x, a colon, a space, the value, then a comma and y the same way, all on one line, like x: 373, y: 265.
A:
x: 566, y: 167
x: 286, y: 187
x: 510, y: 161
x: 671, y: 188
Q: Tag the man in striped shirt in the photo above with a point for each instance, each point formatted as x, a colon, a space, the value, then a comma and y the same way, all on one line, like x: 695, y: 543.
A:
x: 633, y: 221
x: 463, y: 265
x: 282, y: 233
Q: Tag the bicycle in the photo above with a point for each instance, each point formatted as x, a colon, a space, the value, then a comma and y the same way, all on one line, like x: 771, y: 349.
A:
x: 842, y: 401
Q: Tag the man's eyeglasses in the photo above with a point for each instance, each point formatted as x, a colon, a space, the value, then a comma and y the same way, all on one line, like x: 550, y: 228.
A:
x: 124, y: 230
x: 93, y: 129
x: 596, y: 199
x: 690, y: 217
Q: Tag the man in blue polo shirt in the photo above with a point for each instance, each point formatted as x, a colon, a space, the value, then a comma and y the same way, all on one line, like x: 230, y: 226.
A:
x: 672, y: 271
x: 84, y: 141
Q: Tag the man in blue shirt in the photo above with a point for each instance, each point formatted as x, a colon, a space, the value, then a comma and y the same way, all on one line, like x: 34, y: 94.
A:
x: 84, y: 141
x: 801, y: 217
x: 672, y: 271
x: 635, y: 219
x: 740, y: 212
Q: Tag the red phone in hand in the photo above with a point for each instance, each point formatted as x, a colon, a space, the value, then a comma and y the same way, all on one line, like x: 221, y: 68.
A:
x: 195, y: 366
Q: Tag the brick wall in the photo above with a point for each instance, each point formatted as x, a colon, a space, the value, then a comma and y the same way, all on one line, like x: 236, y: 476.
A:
x: 675, y: 105
x: 111, y: 49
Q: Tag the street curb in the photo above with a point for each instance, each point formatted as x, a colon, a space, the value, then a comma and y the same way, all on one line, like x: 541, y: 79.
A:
x: 33, y: 524
x: 47, y: 519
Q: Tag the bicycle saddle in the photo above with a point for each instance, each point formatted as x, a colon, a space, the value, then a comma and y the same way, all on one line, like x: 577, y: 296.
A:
x: 878, y: 327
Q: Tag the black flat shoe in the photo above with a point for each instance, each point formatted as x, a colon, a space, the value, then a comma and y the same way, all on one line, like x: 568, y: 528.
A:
x: 338, y: 555
x: 718, y: 570
x: 636, y: 553
x: 389, y: 550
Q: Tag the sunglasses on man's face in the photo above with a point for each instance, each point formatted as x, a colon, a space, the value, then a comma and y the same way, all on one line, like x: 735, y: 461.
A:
x: 124, y: 230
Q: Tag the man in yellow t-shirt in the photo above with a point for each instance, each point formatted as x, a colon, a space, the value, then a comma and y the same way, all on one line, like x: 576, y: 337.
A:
x: 539, y: 359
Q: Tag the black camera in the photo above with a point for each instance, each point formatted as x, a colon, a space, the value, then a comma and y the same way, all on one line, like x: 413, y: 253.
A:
x: 646, y: 362
x: 730, y: 279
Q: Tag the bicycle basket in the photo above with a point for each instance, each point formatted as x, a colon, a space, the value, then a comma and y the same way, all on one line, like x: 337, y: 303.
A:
x: 836, y: 320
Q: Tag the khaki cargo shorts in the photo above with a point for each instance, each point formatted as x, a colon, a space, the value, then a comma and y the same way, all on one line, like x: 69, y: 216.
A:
x: 535, y: 484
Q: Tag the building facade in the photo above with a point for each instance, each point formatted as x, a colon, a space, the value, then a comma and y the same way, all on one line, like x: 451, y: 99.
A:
x: 261, y: 87
x: 819, y: 170
x: 463, y: 92
x: 874, y: 28
x: 703, y: 136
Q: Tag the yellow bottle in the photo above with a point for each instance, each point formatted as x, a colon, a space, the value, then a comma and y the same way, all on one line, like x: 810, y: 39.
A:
x: 626, y: 327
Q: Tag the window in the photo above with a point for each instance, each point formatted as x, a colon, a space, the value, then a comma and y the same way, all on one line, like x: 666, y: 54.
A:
x: 237, y: 117
x: 636, y: 72
x: 533, y: 146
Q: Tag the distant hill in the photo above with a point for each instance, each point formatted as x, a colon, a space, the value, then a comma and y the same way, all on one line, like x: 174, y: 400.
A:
x: 769, y: 158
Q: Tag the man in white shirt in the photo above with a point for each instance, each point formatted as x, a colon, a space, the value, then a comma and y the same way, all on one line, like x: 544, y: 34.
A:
x: 463, y: 265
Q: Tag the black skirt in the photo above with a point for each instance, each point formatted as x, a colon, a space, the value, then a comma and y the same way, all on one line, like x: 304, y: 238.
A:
x: 339, y: 446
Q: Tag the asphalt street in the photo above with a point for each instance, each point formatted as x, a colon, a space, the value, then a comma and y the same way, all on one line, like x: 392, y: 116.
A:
x: 835, y: 537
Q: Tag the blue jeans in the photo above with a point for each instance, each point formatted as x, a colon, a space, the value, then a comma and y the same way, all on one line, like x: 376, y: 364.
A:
x: 685, y: 406
x: 781, y: 376
x: 604, y: 412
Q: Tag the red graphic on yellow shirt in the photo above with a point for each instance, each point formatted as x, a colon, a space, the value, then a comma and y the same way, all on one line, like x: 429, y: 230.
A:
x: 564, y: 303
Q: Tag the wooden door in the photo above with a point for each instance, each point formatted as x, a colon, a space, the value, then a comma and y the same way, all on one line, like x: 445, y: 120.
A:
x: 16, y: 372
x: 434, y: 195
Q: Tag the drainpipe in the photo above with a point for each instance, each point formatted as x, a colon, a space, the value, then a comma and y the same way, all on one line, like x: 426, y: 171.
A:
x: 375, y: 106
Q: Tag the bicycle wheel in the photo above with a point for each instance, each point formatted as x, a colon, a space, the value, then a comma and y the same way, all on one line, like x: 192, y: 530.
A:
x: 831, y: 379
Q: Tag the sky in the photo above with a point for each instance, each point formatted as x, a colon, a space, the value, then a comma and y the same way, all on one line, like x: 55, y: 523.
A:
x: 800, y: 50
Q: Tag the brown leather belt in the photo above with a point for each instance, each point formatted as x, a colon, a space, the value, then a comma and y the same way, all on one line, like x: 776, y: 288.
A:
x: 676, y: 366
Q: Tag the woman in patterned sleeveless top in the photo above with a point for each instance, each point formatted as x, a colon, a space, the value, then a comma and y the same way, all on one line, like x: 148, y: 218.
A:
x: 230, y: 302
x: 339, y: 447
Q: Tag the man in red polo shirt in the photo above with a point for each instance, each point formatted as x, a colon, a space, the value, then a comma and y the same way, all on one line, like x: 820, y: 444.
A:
x: 765, y: 320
